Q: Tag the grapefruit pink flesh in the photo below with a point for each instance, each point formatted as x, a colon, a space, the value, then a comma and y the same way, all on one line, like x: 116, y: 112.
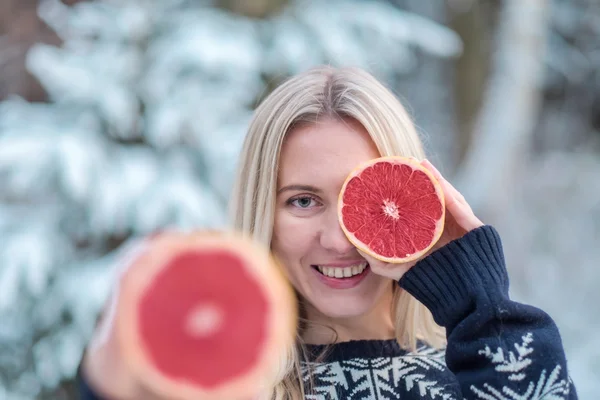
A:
x: 392, y: 208
x: 203, y: 319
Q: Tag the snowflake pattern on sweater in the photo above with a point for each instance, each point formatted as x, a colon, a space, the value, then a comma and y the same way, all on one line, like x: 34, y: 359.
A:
x: 514, y: 365
x: 421, y: 375
x: 424, y: 375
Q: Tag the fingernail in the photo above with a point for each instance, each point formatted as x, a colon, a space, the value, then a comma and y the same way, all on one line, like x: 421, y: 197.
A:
x: 432, y: 166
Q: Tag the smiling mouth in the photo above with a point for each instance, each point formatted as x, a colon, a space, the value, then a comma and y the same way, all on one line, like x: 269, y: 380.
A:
x: 342, y: 273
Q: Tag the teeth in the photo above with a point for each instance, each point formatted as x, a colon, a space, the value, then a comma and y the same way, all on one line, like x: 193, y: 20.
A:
x: 342, y: 272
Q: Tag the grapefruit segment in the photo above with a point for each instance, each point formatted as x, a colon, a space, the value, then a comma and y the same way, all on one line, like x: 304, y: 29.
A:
x: 205, y: 316
x: 392, y: 208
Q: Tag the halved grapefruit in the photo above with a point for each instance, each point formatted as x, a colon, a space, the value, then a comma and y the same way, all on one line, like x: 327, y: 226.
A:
x: 392, y: 208
x: 204, y: 316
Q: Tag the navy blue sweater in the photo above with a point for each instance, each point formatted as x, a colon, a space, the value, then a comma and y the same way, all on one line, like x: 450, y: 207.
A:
x: 497, y: 349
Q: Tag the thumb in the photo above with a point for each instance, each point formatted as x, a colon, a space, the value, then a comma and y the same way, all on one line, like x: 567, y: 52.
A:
x: 124, y: 259
x: 373, y: 262
x: 393, y: 271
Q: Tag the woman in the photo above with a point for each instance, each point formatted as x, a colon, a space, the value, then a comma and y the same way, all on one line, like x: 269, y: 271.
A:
x: 440, y: 328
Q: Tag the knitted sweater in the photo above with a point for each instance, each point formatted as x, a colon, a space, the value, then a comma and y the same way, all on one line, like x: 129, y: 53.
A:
x: 497, y: 349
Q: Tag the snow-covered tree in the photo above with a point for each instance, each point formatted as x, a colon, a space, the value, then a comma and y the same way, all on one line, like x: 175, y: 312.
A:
x: 149, y: 100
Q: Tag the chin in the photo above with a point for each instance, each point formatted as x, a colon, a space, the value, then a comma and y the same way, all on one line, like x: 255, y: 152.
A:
x: 341, y: 299
x: 370, y: 296
x: 344, y: 308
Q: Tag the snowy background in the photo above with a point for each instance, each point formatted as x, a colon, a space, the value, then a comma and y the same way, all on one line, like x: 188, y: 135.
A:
x: 121, y: 117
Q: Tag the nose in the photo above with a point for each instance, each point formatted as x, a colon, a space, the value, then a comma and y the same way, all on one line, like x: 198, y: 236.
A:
x: 332, y: 236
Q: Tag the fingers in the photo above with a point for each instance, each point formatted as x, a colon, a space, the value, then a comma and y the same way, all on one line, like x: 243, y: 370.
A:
x: 446, y: 186
x: 455, y: 193
x: 456, y: 203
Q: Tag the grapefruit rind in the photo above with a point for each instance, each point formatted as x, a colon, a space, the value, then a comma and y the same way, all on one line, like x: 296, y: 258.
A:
x: 280, y: 331
x: 360, y: 245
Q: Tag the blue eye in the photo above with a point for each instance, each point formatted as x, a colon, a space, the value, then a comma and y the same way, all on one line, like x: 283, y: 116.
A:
x: 302, y: 202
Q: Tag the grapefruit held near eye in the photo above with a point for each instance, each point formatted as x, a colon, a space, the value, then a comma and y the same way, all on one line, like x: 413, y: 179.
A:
x: 204, y: 316
x: 392, y: 208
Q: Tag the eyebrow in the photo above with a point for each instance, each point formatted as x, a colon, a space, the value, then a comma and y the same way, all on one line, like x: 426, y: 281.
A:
x: 307, y: 188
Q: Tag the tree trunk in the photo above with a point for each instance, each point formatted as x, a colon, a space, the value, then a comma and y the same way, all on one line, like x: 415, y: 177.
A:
x: 475, y: 27
x: 504, y: 126
x: 254, y: 8
x: 20, y: 28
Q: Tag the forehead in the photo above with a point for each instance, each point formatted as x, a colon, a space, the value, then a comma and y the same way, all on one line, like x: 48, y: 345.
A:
x: 326, y: 150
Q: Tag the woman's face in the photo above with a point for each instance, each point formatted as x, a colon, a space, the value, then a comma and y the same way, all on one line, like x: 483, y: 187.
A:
x: 324, y: 267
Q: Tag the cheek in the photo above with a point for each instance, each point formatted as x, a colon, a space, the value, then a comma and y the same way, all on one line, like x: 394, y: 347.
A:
x: 293, y: 240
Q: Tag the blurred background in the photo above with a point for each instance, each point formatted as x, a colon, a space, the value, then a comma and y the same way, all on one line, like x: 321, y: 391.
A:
x: 121, y: 117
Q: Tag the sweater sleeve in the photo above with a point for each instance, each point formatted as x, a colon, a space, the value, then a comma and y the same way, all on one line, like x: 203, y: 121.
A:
x: 84, y: 389
x: 497, y: 348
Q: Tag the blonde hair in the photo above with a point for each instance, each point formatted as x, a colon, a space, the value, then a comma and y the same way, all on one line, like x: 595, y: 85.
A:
x: 323, y: 92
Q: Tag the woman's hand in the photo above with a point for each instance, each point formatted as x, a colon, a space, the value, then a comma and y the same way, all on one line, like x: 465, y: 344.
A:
x: 104, y: 367
x: 459, y: 220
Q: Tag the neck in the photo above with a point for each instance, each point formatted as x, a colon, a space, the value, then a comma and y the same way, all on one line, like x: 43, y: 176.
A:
x: 377, y: 324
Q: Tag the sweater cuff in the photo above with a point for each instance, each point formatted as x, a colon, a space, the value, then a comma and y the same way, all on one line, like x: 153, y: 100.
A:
x: 463, y: 275
x: 85, y: 390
